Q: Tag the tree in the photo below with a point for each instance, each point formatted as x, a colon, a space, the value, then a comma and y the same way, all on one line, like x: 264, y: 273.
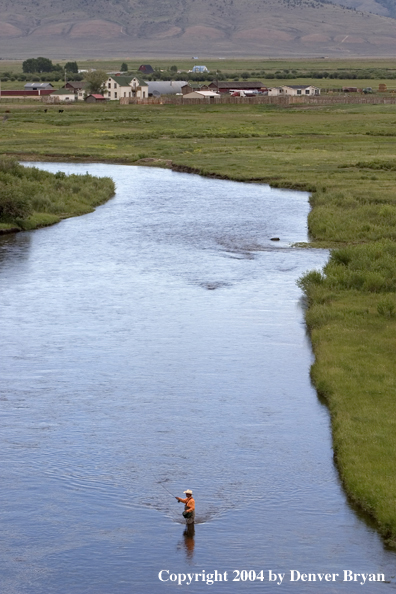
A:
x: 124, y: 67
x: 44, y: 65
x: 37, y: 65
x: 29, y: 65
x: 173, y: 68
x: 71, y: 67
x: 96, y: 81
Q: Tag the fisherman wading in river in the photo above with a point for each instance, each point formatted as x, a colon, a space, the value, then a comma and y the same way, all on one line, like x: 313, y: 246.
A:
x: 189, y: 507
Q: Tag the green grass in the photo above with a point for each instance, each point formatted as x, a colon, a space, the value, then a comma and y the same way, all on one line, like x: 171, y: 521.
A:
x: 31, y: 198
x: 345, y: 155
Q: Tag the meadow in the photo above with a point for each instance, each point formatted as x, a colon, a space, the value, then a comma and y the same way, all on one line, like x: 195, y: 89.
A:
x: 31, y: 198
x: 345, y: 156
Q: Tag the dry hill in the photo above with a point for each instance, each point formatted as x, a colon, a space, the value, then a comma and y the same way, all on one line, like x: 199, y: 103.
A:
x: 273, y: 28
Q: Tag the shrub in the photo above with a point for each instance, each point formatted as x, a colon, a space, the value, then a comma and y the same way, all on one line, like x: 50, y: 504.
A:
x: 386, y: 307
x: 312, y: 278
x: 13, y: 203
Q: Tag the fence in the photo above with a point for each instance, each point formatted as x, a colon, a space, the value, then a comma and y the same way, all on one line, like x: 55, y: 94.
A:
x: 178, y: 100
x: 284, y: 101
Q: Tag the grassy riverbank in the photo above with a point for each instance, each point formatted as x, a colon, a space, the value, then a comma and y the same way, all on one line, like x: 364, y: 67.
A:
x: 344, y: 155
x: 31, y: 198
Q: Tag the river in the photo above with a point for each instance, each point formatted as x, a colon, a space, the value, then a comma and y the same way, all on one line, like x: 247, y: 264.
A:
x: 161, y: 339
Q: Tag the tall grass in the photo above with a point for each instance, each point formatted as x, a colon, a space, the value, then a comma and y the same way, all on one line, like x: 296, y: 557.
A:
x: 30, y: 197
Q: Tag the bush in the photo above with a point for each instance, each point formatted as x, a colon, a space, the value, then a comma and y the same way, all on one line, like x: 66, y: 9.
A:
x: 310, y: 279
x: 386, y: 307
x: 13, y: 203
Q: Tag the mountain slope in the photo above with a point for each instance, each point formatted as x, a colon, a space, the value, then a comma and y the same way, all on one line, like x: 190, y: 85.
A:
x: 67, y: 28
x: 381, y: 7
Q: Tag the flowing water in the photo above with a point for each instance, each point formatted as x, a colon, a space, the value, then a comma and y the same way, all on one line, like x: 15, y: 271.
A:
x: 160, y: 340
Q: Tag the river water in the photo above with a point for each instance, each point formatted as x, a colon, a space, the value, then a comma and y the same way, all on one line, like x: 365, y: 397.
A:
x: 161, y: 339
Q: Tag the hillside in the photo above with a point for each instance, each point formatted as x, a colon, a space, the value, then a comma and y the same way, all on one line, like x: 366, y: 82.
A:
x: 273, y: 28
x: 382, y: 7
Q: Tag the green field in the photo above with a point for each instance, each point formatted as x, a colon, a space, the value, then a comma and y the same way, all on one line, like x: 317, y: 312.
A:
x: 344, y: 155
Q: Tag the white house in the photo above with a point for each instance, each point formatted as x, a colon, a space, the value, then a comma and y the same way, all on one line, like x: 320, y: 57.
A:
x: 63, y: 95
x: 294, y: 90
x: 274, y: 91
x: 126, y: 86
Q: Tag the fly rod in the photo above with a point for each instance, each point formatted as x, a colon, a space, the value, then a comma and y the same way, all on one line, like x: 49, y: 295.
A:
x: 168, y: 491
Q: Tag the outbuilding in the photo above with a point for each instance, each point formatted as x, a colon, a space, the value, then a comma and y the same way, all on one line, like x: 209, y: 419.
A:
x: 190, y: 87
x: 95, y: 98
x: 146, y: 69
x: 165, y: 87
x: 199, y: 69
x: 38, y: 86
x: 63, y: 95
x: 224, y: 86
x: 296, y: 90
x: 203, y: 95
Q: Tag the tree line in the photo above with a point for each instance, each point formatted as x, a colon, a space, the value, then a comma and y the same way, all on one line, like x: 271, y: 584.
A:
x: 41, y: 65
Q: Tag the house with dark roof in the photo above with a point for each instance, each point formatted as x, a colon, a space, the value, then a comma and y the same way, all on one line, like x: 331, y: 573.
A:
x: 146, y: 69
x: 126, y: 86
x: 224, y: 86
x: 78, y: 87
x: 75, y: 84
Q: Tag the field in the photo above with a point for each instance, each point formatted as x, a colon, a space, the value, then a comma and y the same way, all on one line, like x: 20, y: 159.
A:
x: 344, y: 155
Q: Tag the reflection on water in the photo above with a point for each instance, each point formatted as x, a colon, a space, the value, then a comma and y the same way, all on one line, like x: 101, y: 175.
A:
x: 189, y: 543
x: 160, y: 340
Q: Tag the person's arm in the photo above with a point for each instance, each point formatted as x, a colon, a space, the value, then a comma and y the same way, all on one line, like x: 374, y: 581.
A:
x: 181, y: 500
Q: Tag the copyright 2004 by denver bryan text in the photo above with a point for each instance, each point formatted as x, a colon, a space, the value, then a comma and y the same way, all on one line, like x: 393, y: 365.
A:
x: 278, y: 578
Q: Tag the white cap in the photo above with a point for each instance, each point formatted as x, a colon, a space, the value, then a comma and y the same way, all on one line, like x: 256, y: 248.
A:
x: 188, y: 492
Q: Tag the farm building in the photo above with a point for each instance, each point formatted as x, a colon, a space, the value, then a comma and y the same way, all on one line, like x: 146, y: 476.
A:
x: 203, y: 95
x: 165, y: 87
x: 63, y: 95
x: 146, y: 69
x: 78, y: 87
x: 37, y: 86
x: 223, y: 86
x: 199, y: 69
x: 18, y: 93
x: 190, y: 87
x: 95, y: 98
x: 126, y: 86
x: 296, y: 90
